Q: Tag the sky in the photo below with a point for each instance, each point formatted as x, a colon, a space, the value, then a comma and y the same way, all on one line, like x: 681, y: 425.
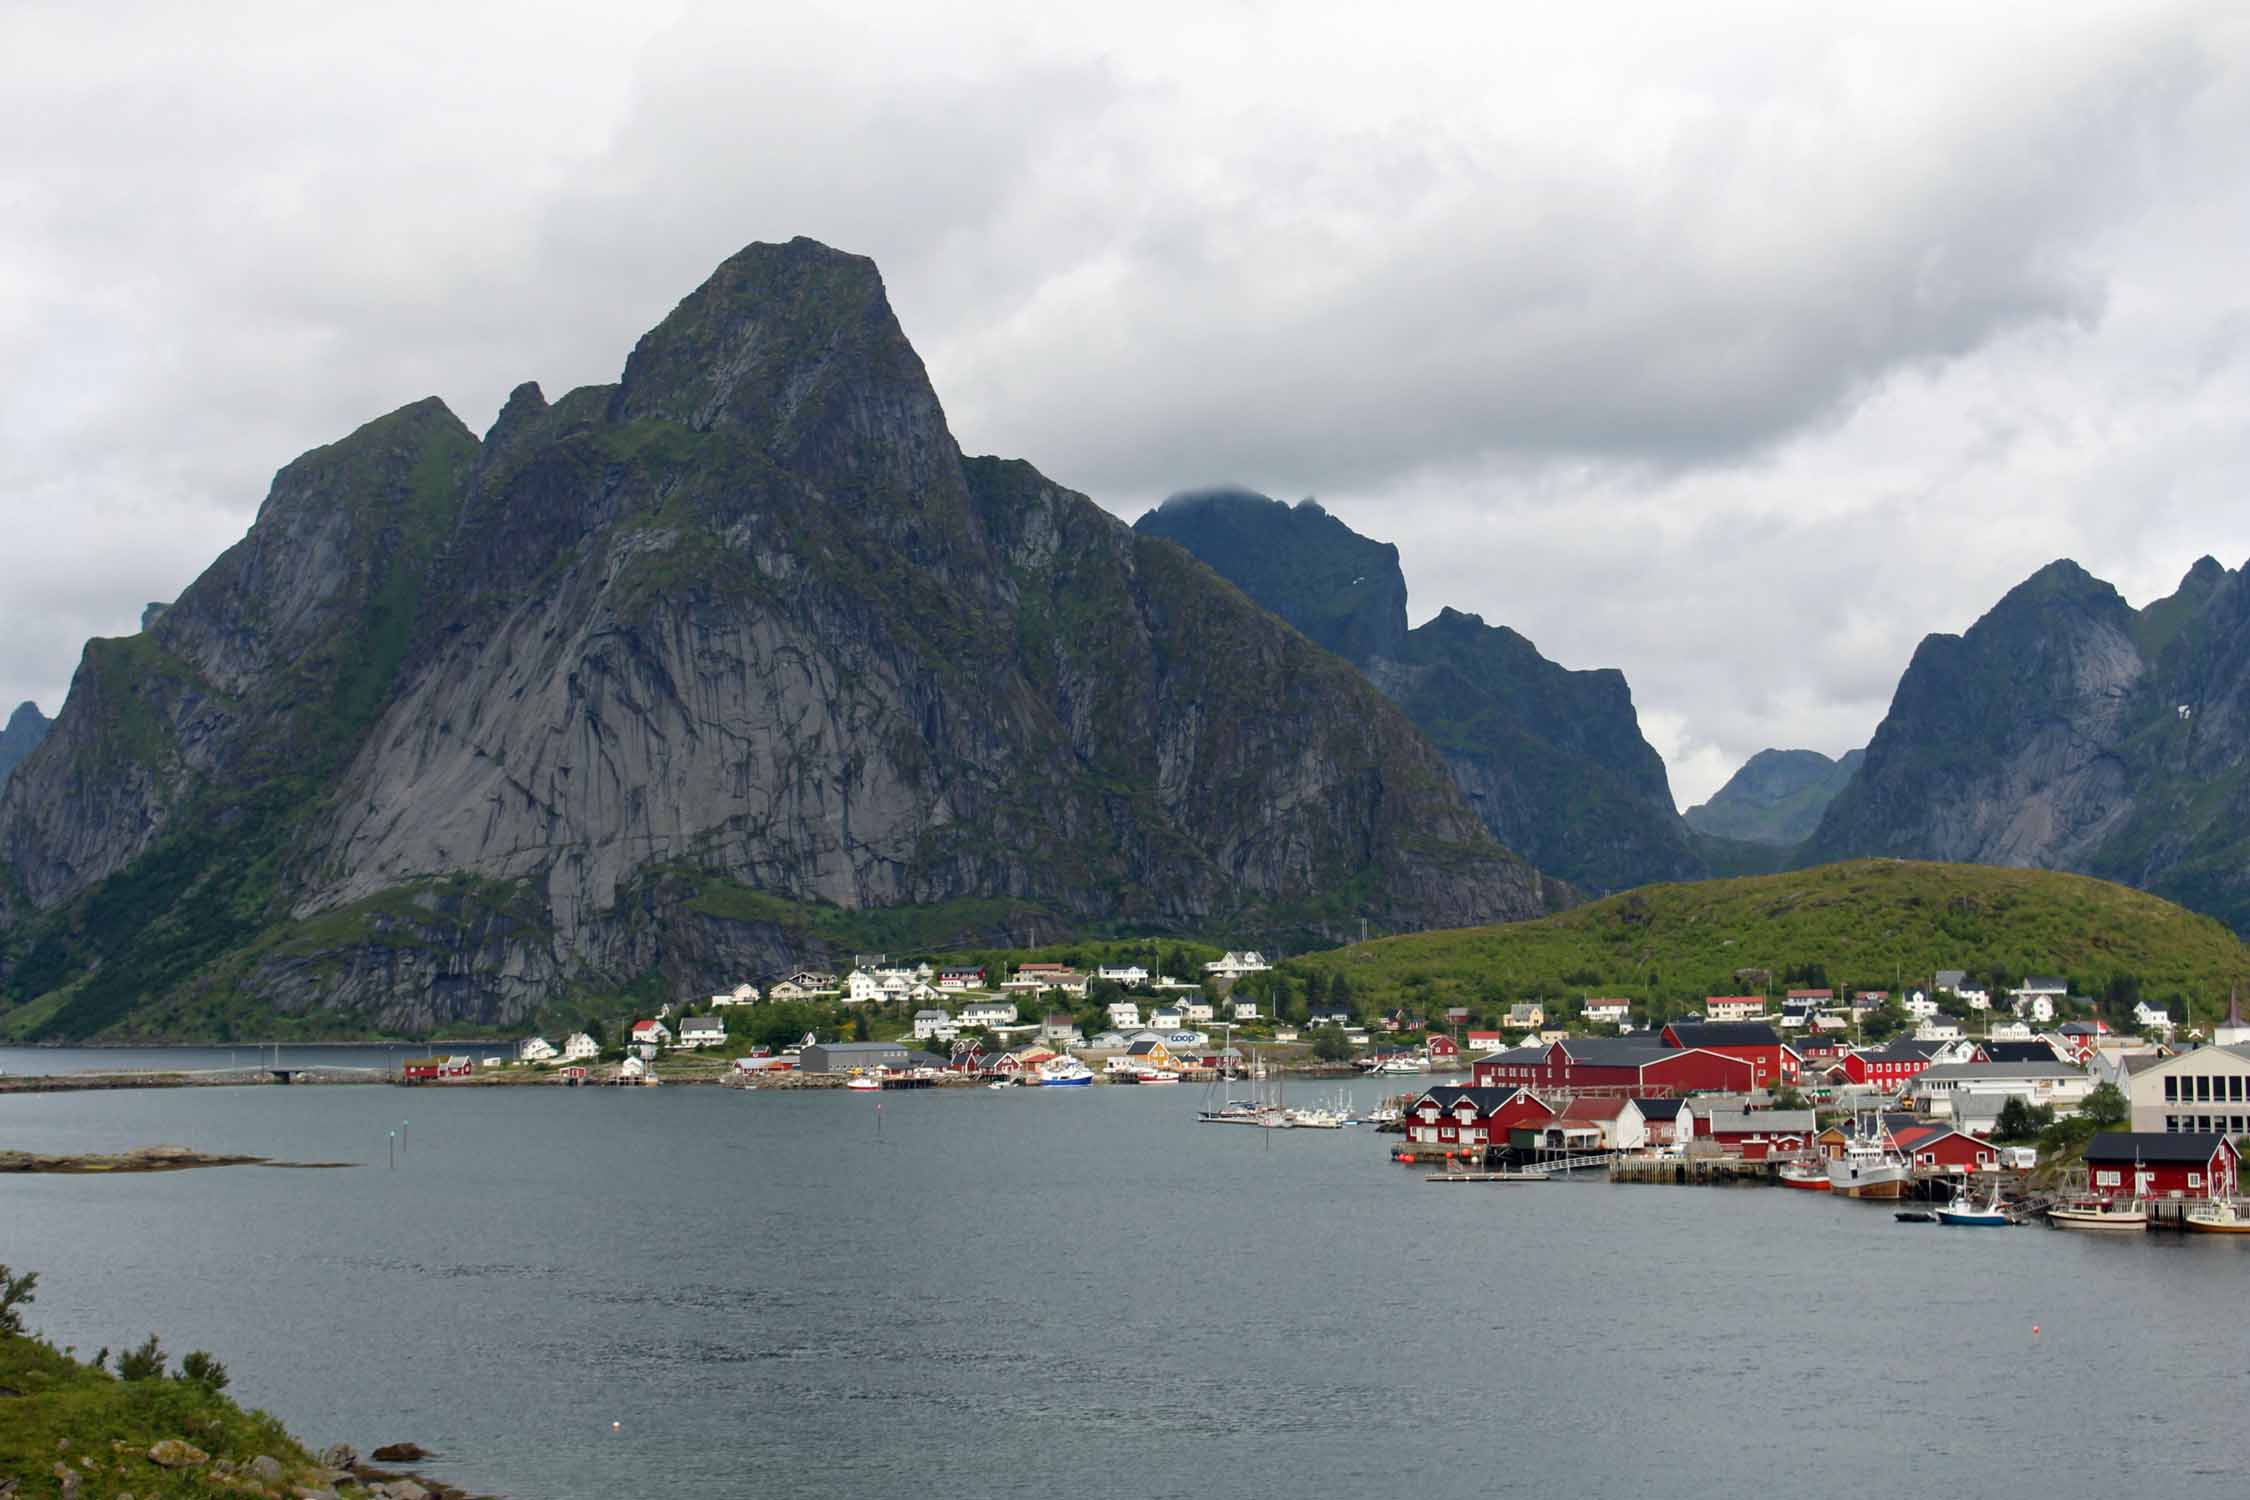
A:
x: 1735, y: 346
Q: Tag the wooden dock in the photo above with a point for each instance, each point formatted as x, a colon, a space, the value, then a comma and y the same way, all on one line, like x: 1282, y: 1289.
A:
x: 1694, y: 1171
x: 1533, y: 1176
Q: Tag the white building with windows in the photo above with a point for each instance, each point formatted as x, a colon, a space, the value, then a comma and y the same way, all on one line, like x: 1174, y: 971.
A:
x: 863, y: 987
x: 741, y: 994
x: 1125, y: 1015
x: 579, y: 1047
x: 1235, y: 965
x: 2206, y: 1089
x: 537, y: 1049
x: 1131, y: 976
x: 989, y: 1013
x: 1245, y: 1010
x: 702, y: 1031
x: 934, y: 1025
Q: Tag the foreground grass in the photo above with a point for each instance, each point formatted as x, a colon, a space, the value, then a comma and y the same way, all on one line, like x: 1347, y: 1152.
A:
x: 58, y: 1410
x: 1865, y: 924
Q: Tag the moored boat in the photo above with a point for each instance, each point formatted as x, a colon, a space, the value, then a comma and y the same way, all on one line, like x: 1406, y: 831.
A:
x: 1065, y: 1072
x: 2216, y: 1217
x: 863, y: 1081
x: 1962, y: 1213
x: 1810, y: 1177
x: 1867, y: 1170
x: 2099, y: 1213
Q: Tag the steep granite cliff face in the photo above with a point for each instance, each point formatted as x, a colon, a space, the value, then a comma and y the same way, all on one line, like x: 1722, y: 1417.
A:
x: 660, y: 683
x: 2066, y: 730
x: 26, y: 728
x: 1552, y: 760
x: 1776, y: 799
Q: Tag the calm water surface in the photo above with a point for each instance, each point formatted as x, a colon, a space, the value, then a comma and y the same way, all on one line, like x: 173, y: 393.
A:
x: 1082, y: 1292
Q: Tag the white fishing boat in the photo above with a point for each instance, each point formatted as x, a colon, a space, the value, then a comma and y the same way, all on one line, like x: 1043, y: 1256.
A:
x: 1868, y: 1169
x: 2216, y: 1217
x: 1064, y: 1072
x: 1962, y: 1213
x: 2099, y: 1213
x: 863, y: 1082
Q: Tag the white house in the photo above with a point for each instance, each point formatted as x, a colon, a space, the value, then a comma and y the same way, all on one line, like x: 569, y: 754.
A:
x: 1609, y: 1012
x: 741, y: 994
x: 862, y: 987
x: 702, y: 1031
x: 652, y: 1033
x: 1938, y: 1027
x: 538, y: 1049
x: 1285, y: 1033
x: 1920, y: 1006
x: 2035, y: 999
x: 934, y: 1025
x: 1235, y: 965
x: 1131, y: 976
x: 1167, y: 1018
x: 634, y: 1070
x: 1245, y: 1010
x: 989, y: 1013
x: 1978, y: 1090
x: 580, y: 1047
x: 814, y: 981
x: 1061, y: 1030
x: 2009, y: 1031
x: 1730, y: 1007
x: 1197, y: 1010
x: 1125, y: 1015
x: 2233, y: 1031
x: 2152, y: 1017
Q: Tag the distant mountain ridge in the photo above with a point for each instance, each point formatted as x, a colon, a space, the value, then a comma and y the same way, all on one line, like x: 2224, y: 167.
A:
x: 2065, y: 729
x: 1553, y: 760
x: 657, y: 683
x: 26, y: 729
x: 1777, y: 798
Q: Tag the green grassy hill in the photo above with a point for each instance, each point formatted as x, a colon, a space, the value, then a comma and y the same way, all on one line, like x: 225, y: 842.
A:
x: 1864, y: 924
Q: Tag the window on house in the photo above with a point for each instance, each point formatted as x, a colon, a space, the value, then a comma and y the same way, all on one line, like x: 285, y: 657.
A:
x: 2234, y: 1088
x: 2195, y: 1179
x: 2171, y: 1090
x: 2105, y: 1179
x: 2202, y: 1088
x: 2171, y: 1124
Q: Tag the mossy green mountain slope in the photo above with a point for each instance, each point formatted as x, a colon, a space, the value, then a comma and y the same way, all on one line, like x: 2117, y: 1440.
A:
x: 1867, y: 923
x: 613, y: 698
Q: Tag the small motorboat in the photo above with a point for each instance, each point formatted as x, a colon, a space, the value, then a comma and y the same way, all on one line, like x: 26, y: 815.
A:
x: 2216, y: 1217
x: 1915, y: 1216
x: 1809, y: 1177
x: 2099, y: 1213
x: 863, y: 1082
x: 1962, y: 1213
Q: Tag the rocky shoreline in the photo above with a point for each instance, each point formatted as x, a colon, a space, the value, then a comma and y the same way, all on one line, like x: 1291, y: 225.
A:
x: 145, y: 1159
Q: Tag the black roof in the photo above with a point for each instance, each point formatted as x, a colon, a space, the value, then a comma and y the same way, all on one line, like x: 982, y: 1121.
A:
x: 1724, y: 1034
x: 1905, y: 1049
x: 2031, y: 1051
x: 2193, y: 1148
x: 1614, y: 1051
x: 1658, y: 1109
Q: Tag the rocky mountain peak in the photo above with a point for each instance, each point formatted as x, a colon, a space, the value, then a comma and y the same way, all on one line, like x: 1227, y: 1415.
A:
x: 795, y: 346
x: 1344, y: 591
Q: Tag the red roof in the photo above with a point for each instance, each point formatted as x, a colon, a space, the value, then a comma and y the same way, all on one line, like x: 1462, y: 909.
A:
x: 1586, y: 1108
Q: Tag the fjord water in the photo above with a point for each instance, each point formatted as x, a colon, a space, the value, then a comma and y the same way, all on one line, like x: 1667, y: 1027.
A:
x: 1082, y: 1292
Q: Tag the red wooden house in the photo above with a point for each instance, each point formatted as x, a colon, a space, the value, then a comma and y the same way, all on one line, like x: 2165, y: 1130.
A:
x: 1890, y: 1068
x: 1622, y: 1065
x: 1943, y: 1146
x: 1443, y: 1049
x: 1758, y: 1134
x: 1777, y: 1064
x: 2152, y: 1164
x: 1448, y: 1115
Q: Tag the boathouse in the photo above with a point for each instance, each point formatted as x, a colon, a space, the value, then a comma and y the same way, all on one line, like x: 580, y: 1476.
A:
x: 1620, y: 1065
x: 842, y: 1057
x: 2154, y: 1164
x: 1448, y: 1115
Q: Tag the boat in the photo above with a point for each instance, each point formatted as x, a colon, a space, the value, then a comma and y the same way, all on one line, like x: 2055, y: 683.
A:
x: 1064, y: 1072
x: 1915, y: 1216
x: 1963, y: 1213
x: 1316, y: 1119
x: 863, y: 1082
x: 2099, y: 1213
x: 1866, y: 1169
x: 1152, y: 1075
x: 1810, y: 1177
x: 2216, y: 1217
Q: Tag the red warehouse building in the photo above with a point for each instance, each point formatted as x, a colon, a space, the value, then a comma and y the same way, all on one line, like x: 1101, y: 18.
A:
x: 1943, y: 1146
x: 1620, y: 1065
x: 1776, y: 1062
x: 2154, y: 1164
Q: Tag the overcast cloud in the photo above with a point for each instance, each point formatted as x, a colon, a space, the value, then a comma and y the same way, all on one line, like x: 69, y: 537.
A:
x: 1735, y: 346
